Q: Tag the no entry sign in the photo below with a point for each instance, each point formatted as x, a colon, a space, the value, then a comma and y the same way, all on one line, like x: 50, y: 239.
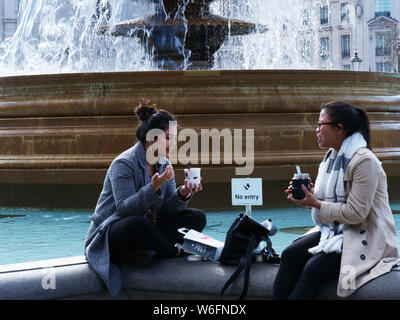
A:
x: 246, y: 191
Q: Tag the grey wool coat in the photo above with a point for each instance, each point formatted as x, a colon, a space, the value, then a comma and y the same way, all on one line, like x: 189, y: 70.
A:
x: 126, y: 192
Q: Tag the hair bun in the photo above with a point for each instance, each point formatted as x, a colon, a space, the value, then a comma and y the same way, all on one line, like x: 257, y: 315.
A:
x: 145, y: 110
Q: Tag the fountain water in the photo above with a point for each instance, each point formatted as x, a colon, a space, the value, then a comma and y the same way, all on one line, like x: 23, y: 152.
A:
x: 56, y: 36
x: 74, y: 79
x: 180, y: 35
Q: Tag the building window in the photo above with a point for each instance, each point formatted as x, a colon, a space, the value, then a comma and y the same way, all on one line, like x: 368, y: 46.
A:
x: 346, y: 67
x: 324, y: 15
x: 382, y: 44
x: 383, y: 67
x: 345, y: 12
x: 345, y: 46
x: 382, y: 8
x: 324, y: 48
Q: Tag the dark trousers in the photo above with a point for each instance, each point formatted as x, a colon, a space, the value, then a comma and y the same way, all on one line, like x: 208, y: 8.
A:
x: 137, y: 232
x: 300, y: 273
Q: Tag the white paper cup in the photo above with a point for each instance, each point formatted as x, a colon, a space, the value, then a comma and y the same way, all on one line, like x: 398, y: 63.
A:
x: 192, y: 175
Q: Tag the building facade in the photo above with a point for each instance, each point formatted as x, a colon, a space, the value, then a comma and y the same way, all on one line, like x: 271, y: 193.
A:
x: 8, y: 17
x: 368, y: 27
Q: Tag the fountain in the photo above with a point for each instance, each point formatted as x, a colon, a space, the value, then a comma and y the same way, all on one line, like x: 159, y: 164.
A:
x: 67, y: 101
x: 181, y: 35
x: 59, y: 132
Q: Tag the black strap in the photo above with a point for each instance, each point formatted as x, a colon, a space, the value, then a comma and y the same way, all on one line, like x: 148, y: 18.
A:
x: 269, y: 245
x: 249, y: 258
x: 236, y: 274
x: 245, y: 263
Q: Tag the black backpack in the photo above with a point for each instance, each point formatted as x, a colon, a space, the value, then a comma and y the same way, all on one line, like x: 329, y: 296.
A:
x: 244, y: 235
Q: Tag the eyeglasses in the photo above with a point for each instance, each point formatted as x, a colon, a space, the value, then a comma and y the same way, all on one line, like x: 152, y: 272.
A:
x: 320, y: 124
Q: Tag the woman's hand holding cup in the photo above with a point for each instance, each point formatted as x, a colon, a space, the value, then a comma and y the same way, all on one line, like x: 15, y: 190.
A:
x: 192, y: 182
x: 309, y: 199
x: 192, y: 187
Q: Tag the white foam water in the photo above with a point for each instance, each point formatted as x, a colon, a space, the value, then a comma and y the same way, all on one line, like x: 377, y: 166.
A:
x: 60, y: 36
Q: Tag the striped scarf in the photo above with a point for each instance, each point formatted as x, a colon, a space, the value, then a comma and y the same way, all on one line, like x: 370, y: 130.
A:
x: 329, y: 186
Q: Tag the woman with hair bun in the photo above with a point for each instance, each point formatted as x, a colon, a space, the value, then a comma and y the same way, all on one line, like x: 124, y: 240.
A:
x: 140, y: 209
x: 355, y: 239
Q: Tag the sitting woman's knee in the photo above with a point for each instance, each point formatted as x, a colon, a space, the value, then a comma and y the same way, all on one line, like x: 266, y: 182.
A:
x: 202, y: 219
x: 289, y: 254
x: 198, y: 219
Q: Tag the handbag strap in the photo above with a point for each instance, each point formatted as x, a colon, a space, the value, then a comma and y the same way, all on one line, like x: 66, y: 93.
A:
x: 249, y: 258
x: 269, y: 245
x: 245, y: 263
x: 237, y: 272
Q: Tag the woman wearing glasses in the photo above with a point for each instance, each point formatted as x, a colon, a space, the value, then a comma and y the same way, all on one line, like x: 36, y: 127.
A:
x: 355, y: 239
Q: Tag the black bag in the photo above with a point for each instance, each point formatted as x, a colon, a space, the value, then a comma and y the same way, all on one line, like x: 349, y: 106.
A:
x: 242, y: 238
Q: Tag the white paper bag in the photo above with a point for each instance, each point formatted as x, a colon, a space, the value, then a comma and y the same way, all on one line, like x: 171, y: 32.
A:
x: 201, y: 244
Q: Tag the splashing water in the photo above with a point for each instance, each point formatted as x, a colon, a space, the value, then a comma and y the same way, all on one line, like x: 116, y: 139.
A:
x: 292, y: 40
x: 61, y: 36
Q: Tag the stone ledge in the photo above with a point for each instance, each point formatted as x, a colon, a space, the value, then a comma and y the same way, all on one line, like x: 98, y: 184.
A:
x: 165, y: 279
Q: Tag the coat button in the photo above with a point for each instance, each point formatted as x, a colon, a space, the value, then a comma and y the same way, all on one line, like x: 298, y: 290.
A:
x: 362, y: 231
x: 362, y: 257
x: 364, y: 242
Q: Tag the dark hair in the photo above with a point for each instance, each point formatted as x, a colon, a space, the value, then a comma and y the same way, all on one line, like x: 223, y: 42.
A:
x: 151, y: 118
x: 353, y: 119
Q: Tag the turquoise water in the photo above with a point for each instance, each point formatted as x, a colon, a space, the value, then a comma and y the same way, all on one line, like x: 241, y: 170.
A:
x: 47, y: 234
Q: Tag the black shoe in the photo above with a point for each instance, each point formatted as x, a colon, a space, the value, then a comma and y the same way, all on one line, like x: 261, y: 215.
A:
x: 142, y: 258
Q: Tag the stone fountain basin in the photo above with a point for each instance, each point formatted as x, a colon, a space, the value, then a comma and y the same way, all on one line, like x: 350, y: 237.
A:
x: 65, y: 129
x: 166, y: 279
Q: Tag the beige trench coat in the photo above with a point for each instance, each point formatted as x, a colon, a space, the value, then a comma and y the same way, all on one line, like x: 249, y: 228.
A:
x: 369, y: 239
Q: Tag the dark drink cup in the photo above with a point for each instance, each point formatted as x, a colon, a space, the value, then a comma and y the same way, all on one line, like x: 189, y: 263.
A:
x: 297, y: 181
